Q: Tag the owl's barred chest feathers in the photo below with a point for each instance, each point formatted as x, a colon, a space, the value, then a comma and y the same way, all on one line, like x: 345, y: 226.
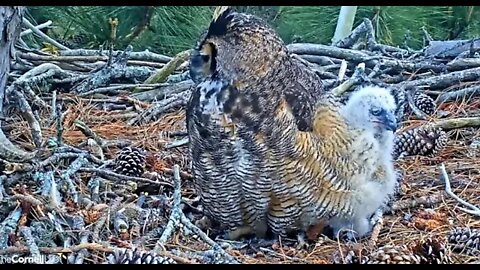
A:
x: 227, y: 158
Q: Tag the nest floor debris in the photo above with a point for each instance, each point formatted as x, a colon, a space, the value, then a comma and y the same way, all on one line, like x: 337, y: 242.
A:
x: 68, y: 115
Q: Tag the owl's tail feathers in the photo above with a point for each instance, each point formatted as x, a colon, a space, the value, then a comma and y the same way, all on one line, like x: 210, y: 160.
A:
x: 221, y: 17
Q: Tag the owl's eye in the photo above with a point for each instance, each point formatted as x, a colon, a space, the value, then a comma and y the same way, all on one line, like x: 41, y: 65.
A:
x: 376, y: 111
x: 205, y: 58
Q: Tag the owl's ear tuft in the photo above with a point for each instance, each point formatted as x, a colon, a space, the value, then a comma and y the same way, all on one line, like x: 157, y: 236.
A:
x: 221, y: 17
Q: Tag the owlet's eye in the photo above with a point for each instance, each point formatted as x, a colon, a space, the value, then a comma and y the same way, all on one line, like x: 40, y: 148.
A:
x: 376, y: 111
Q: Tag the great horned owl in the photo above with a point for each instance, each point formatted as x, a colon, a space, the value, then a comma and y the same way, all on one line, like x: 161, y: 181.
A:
x: 243, y: 72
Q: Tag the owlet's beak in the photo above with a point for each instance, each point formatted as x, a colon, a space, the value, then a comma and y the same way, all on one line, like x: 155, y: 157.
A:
x: 389, y: 121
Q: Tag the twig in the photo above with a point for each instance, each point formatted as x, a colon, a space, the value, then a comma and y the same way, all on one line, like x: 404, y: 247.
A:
x: 160, y: 107
x: 354, y: 36
x: 456, y: 123
x: 11, y: 152
x: 40, y: 26
x: 56, y: 250
x: 54, y: 105
x: 169, y: 68
x: 56, y: 157
x: 166, y: 91
x: 474, y: 210
x: 324, y: 50
x: 42, y: 35
x: 106, y: 213
x: 30, y: 241
x: 449, y: 48
x: 177, y: 143
x: 456, y: 95
x: 426, y: 201
x: 112, y: 70
x: 27, y: 113
x: 356, y: 78
x: 444, y: 81
x: 189, y: 225
x: 89, y: 133
x: 71, y: 170
x: 463, y: 63
x: 9, y: 226
x: 116, y: 177
x: 183, y: 174
x: 145, y: 55
x: 175, y: 212
x: 426, y: 35
x: 84, y: 235
x: 120, y: 222
x: 178, y: 216
x: 280, y: 255
x: 48, y: 187
x: 2, y: 187
x: 27, y: 198
x: 122, y: 87
x: 342, y: 71
x: 94, y: 186
x: 59, y: 124
x: 320, y: 60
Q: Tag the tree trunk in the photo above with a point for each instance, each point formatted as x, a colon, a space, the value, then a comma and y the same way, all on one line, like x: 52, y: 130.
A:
x: 10, y: 27
x: 344, y: 22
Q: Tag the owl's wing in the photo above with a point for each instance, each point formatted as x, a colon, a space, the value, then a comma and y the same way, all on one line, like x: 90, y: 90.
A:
x: 305, y: 91
x: 310, y: 160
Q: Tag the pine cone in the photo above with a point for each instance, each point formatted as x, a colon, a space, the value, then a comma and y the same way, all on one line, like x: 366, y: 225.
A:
x: 136, y: 256
x: 465, y: 240
x: 130, y: 161
x: 393, y: 255
x: 351, y: 255
x: 432, y: 251
x: 424, y: 140
x: 424, y: 103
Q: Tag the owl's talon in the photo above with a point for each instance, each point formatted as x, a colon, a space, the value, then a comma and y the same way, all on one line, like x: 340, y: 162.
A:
x: 255, y: 244
x: 301, y: 242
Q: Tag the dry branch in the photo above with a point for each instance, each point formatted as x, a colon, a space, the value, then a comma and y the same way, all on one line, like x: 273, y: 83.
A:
x: 168, y: 69
x: 444, y: 81
x: 174, y: 219
x: 474, y: 210
x: 450, y: 48
x: 456, y: 123
x: 42, y: 35
x: 141, y: 56
x: 466, y: 93
x: 40, y: 26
